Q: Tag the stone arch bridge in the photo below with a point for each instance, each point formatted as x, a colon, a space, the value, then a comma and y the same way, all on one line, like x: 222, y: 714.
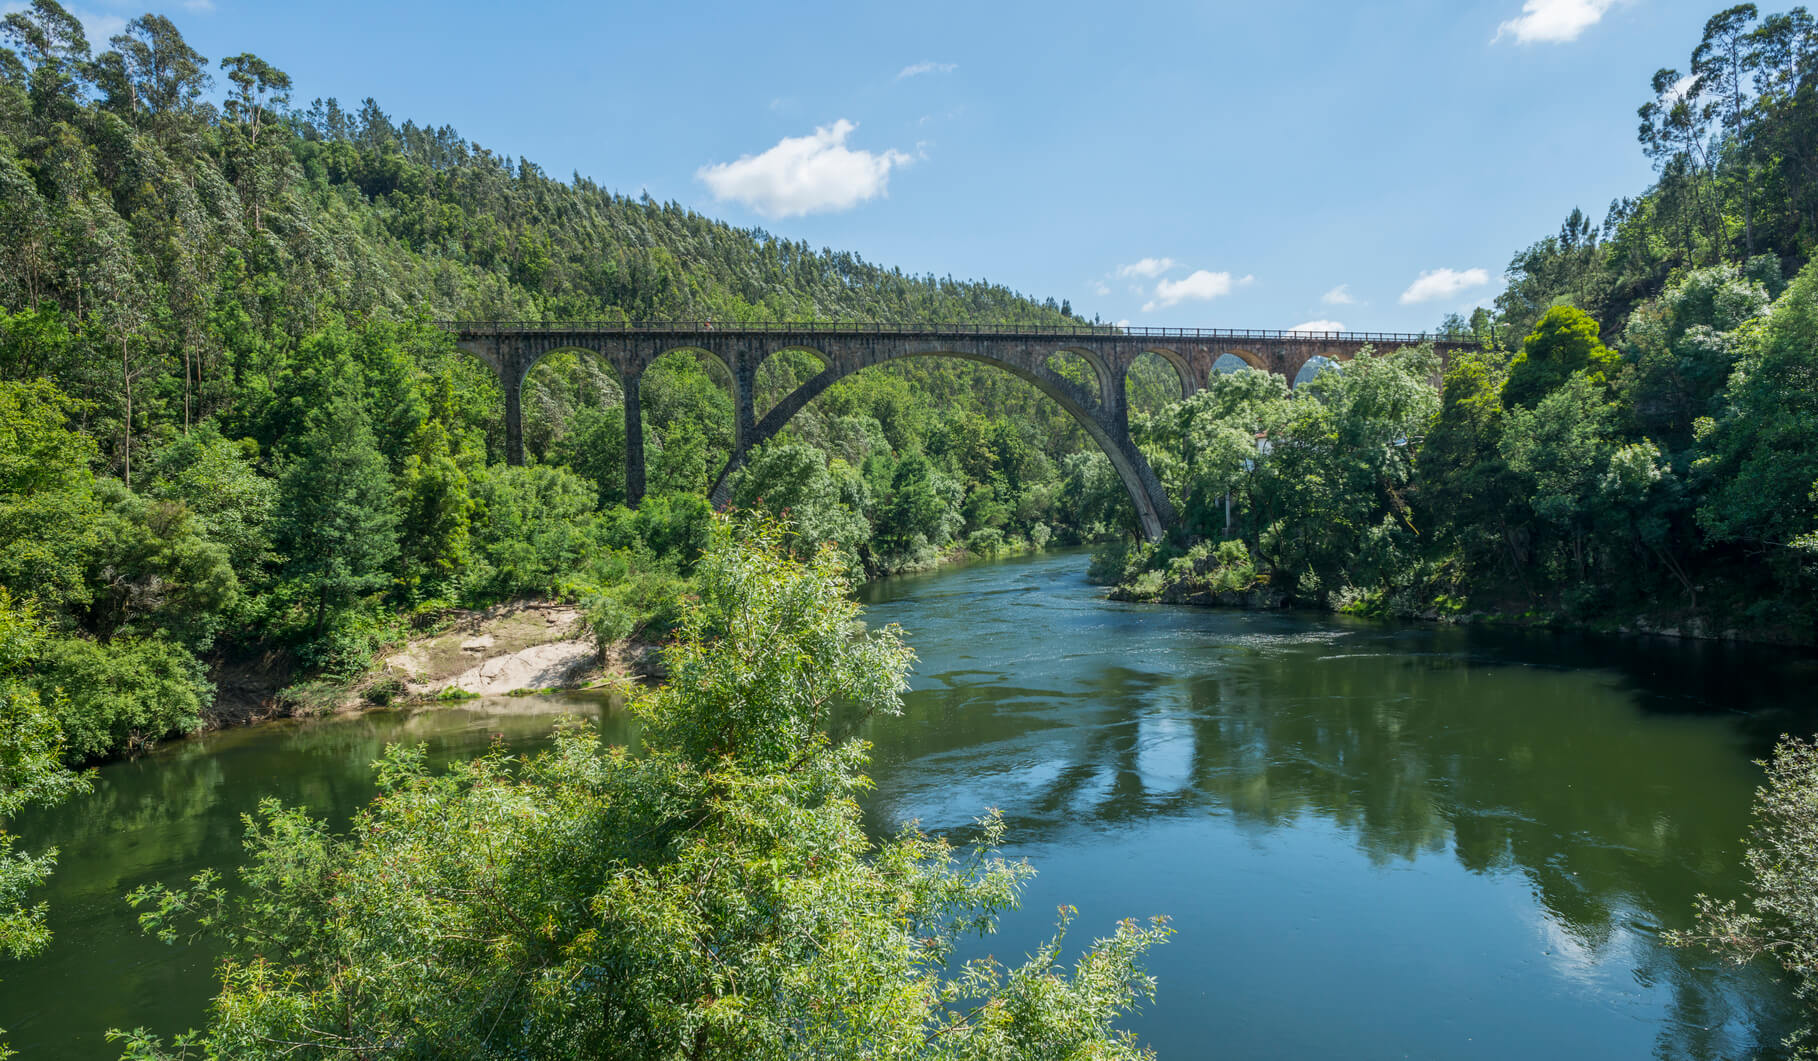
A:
x: 513, y: 349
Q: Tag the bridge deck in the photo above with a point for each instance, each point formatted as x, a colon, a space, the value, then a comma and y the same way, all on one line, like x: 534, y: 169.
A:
x: 1005, y: 331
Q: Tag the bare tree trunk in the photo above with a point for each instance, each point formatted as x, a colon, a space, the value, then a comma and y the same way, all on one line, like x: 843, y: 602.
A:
x: 126, y: 431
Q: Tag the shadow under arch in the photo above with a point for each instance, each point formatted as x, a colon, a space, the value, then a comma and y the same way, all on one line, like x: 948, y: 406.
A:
x: 1102, y: 423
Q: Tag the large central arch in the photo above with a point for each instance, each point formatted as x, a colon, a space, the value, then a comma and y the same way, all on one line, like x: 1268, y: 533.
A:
x: 1102, y: 415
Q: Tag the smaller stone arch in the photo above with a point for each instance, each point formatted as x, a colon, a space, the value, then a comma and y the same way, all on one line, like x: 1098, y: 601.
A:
x: 1312, y: 367
x: 1183, y: 366
x: 1248, y: 357
x: 658, y: 353
x: 777, y: 372
x: 1153, y: 380
x: 527, y: 361
x: 1100, y: 368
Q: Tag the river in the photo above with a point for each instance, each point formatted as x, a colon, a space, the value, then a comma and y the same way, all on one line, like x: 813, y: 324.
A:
x: 1373, y: 840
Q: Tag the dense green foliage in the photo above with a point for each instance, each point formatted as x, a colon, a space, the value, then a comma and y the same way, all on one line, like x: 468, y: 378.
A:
x: 713, y: 896
x: 226, y: 427
x: 1668, y: 479
x: 31, y: 772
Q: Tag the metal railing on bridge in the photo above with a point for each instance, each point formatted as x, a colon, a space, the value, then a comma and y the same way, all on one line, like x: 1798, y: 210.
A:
x: 792, y: 328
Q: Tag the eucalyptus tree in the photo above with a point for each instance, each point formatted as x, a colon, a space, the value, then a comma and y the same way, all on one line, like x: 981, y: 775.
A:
x: 1723, y: 67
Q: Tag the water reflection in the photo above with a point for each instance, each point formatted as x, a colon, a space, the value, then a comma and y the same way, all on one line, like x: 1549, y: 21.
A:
x: 1609, y: 781
x: 174, y: 813
x: 1374, y: 841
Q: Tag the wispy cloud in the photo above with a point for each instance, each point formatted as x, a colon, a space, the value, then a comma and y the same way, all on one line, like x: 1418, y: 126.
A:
x: 1318, y: 326
x: 1339, y: 296
x: 1442, y: 283
x: 1148, y: 268
x: 1554, y: 21
x: 1201, y: 285
x: 928, y: 67
x: 200, y: 7
x: 805, y: 174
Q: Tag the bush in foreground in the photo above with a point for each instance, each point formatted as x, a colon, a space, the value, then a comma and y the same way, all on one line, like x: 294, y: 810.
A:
x: 712, y: 897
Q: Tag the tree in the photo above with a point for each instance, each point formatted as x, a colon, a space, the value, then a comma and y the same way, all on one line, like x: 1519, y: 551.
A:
x: 1563, y: 342
x: 1722, y: 65
x: 1759, y: 460
x: 48, y: 507
x: 1778, y: 917
x: 258, y: 89
x: 153, y: 70
x: 56, y: 49
x: 594, y: 448
x: 31, y: 773
x: 714, y: 896
x: 336, y: 523
x: 792, y: 481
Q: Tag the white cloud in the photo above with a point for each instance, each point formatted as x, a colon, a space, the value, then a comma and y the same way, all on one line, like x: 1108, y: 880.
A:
x: 1318, y: 326
x: 918, y: 69
x: 201, y: 7
x: 1101, y: 288
x: 804, y: 174
x: 1553, y: 21
x: 1339, y: 296
x: 1148, y: 268
x: 1442, y: 283
x: 1201, y: 285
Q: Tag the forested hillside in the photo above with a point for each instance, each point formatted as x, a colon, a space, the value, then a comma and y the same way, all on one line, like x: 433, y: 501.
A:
x: 227, y: 429
x: 1634, y: 445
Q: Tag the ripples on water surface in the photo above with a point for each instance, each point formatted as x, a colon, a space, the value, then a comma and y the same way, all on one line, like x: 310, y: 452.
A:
x: 1373, y: 841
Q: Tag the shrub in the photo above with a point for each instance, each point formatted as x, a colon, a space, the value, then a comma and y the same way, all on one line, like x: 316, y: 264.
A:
x: 121, y: 697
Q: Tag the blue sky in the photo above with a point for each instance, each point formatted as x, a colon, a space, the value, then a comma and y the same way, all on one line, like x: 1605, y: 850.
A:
x: 1215, y: 164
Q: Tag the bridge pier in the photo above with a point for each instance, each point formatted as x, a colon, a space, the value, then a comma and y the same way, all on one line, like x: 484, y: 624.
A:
x: 514, y: 422
x: 513, y: 349
x: 633, y: 383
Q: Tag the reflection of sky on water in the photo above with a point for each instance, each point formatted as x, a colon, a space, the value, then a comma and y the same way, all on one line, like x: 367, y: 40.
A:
x: 1373, y: 840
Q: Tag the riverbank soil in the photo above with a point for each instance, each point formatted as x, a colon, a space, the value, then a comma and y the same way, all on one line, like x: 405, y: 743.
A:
x: 506, y: 649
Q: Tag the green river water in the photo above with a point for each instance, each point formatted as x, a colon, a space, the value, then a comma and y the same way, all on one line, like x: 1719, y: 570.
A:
x: 1374, y: 841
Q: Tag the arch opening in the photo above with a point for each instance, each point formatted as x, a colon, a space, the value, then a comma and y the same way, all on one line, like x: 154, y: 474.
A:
x: 1315, y: 365
x: 686, y: 396
x: 1232, y: 363
x: 1153, y: 511
x: 1152, y: 383
x: 781, y: 372
x: 1079, y: 369
x: 564, y: 392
